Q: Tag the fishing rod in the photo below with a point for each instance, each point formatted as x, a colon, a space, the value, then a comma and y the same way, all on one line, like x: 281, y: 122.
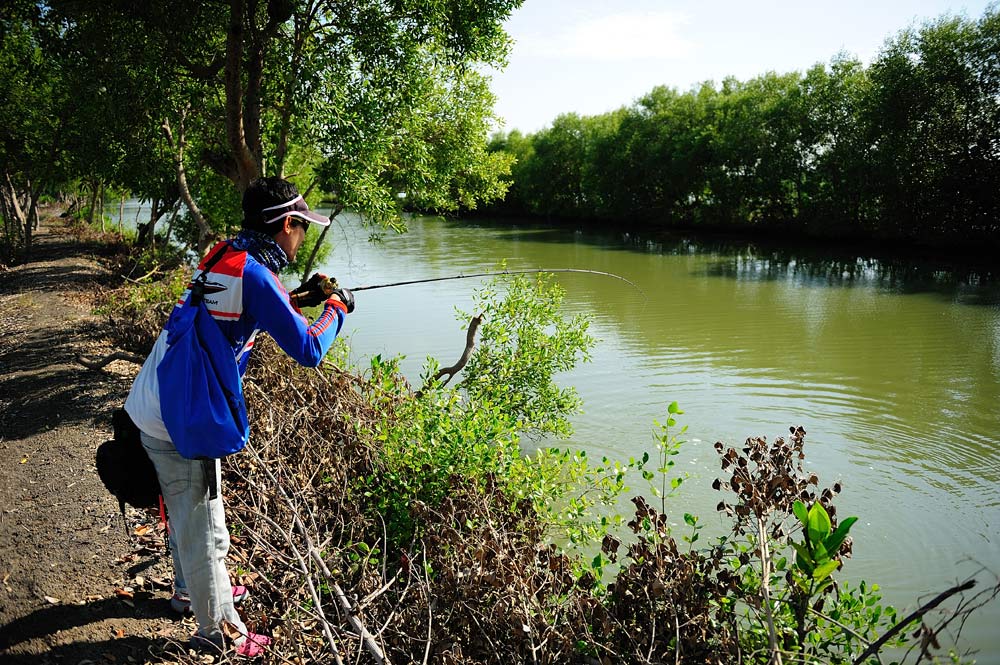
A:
x: 493, y: 274
x: 328, y: 285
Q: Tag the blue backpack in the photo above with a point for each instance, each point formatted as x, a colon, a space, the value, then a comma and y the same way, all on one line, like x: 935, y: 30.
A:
x: 201, y: 392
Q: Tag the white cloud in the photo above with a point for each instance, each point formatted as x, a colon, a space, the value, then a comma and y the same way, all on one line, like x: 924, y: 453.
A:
x: 615, y: 37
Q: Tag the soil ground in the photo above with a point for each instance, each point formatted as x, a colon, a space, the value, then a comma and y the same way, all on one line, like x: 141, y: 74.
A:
x: 74, y: 588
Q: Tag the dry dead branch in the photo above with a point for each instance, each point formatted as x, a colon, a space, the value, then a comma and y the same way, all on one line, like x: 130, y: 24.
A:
x: 108, y: 359
x: 470, y: 345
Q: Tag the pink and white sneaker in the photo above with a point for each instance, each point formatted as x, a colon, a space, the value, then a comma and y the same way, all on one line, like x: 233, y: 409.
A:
x: 252, y: 646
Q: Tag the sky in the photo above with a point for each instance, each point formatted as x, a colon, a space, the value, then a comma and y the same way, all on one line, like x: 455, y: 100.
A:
x: 593, y: 56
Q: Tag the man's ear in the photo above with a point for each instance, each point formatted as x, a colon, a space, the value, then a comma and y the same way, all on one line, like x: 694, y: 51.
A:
x: 286, y: 224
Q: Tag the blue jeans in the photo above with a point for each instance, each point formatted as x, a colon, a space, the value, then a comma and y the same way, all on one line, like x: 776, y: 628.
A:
x: 199, y: 537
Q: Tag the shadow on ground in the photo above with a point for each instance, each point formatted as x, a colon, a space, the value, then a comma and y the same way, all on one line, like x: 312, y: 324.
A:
x: 46, y: 635
x: 41, y: 337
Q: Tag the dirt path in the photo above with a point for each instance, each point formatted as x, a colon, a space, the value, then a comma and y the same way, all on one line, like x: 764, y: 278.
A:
x: 66, y: 567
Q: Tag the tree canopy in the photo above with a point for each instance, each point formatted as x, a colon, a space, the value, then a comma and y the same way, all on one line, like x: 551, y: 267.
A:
x: 356, y: 100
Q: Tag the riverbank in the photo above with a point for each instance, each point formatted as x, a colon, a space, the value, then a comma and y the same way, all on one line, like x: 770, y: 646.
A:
x: 73, y: 587
x: 978, y: 259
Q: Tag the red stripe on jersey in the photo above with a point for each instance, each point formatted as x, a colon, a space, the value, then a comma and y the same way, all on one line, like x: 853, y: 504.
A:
x: 231, y: 264
x: 323, y: 322
x: 224, y: 315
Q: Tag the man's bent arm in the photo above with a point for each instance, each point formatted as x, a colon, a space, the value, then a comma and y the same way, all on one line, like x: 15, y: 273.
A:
x: 266, y: 299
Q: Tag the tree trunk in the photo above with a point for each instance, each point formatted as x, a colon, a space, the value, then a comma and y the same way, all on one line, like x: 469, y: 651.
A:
x: 14, y: 213
x: 32, y: 221
x: 246, y: 166
x: 205, y: 235
x: 100, y: 207
x: 154, y: 216
x: 145, y: 234
x: 173, y: 217
x: 93, y: 201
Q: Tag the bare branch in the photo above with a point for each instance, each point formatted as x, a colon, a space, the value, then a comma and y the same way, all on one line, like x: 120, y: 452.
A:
x: 117, y: 355
x: 205, y: 235
x: 470, y: 344
x: 913, y: 616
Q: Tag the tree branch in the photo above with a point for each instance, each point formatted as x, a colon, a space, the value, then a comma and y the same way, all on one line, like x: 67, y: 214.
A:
x: 470, y: 344
x: 765, y: 587
x: 910, y: 618
x: 205, y: 234
x: 117, y: 355
x: 288, y: 101
x: 319, y: 242
x: 246, y: 166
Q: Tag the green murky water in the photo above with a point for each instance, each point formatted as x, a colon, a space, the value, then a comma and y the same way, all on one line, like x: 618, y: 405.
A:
x: 892, y: 368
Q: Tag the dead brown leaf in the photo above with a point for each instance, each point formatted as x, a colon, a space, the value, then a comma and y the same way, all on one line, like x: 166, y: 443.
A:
x: 230, y: 630
x: 161, y: 582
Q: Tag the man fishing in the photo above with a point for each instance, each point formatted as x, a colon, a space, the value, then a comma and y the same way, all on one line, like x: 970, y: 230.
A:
x: 243, y: 295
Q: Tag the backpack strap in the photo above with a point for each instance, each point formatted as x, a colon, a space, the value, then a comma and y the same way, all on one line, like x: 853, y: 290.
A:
x: 208, y: 464
x: 198, y: 285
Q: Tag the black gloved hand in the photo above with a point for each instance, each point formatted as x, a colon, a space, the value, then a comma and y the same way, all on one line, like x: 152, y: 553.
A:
x: 346, y: 297
x: 310, y: 293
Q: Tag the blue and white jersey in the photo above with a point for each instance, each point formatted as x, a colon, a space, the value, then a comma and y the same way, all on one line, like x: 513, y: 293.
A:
x: 243, y: 297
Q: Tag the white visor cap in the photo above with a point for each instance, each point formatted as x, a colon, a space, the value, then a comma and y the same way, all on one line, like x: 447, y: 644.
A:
x: 297, y: 207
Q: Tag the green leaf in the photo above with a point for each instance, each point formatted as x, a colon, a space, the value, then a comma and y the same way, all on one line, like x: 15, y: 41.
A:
x: 673, y: 408
x: 803, y: 559
x: 818, y: 524
x: 823, y: 570
x: 836, y: 539
x: 801, y: 512
x: 822, y: 586
x: 690, y: 519
x: 820, y: 555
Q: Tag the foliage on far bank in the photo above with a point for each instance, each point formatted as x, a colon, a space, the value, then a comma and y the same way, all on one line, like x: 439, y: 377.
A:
x: 905, y: 149
x: 369, y: 518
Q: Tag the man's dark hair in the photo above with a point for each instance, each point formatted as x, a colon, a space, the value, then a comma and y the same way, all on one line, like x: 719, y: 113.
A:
x: 265, y: 193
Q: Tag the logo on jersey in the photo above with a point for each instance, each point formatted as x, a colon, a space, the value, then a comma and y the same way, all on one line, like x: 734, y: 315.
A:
x: 211, y: 287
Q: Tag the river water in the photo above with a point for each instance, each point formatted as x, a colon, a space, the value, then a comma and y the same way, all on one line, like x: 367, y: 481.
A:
x: 893, y: 369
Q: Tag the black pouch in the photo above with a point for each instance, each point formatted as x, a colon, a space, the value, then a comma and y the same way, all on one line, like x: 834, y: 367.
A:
x: 125, y: 468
